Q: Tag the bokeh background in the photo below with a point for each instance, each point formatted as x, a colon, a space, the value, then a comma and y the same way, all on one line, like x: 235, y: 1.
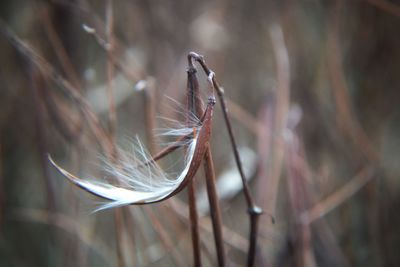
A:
x: 313, y: 94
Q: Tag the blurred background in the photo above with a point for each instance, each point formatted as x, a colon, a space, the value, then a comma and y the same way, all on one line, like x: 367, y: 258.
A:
x: 312, y: 89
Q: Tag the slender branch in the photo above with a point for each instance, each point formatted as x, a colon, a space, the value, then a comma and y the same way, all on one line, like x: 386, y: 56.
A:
x: 112, y: 123
x: 150, y: 110
x: 164, y: 237
x: 59, y: 48
x: 339, y: 197
x: 49, y: 72
x: 37, y: 83
x: 253, y: 210
x: 214, y: 206
x: 110, y: 69
x: 193, y: 108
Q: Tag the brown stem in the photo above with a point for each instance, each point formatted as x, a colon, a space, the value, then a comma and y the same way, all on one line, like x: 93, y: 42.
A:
x: 253, y: 210
x: 164, y: 237
x: 118, y: 223
x: 112, y: 122
x: 214, y: 206
x: 49, y: 72
x: 193, y: 108
x: 36, y: 87
x: 110, y: 69
x: 150, y: 110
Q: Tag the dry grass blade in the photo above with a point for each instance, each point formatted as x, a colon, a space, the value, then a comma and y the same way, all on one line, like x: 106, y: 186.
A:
x: 338, y: 197
x: 49, y: 72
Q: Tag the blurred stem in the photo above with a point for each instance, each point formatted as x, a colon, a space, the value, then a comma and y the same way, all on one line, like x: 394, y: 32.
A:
x: 59, y: 48
x: 112, y: 120
x: 110, y: 69
x: 36, y: 84
x: 51, y: 73
x: 164, y: 237
x: 150, y: 113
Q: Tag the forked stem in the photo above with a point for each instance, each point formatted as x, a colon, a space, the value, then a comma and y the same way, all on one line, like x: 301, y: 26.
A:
x: 210, y: 176
x: 253, y: 210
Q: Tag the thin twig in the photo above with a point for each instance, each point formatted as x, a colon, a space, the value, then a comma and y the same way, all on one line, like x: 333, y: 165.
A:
x: 280, y: 112
x: 193, y: 108
x: 164, y: 237
x: 67, y: 224
x: 338, y: 197
x: 49, y: 72
x: 59, y: 48
x: 112, y: 122
x: 346, y: 117
x: 150, y: 110
x: 253, y: 210
x: 232, y: 239
x: 37, y: 83
x: 110, y: 69
x: 214, y: 206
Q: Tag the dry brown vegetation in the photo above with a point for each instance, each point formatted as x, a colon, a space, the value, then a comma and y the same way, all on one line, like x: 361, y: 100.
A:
x: 311, y: 89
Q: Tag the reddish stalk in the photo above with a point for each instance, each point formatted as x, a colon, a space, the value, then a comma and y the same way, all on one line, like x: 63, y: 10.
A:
x: 253, y: 210
x: 214, y: 206
x: 193, y: 108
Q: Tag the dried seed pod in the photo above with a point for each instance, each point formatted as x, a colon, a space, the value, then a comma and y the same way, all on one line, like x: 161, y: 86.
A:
x: 142, y: 181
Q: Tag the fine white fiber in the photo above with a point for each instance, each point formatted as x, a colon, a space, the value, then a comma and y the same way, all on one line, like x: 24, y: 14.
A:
x: 139, y: 180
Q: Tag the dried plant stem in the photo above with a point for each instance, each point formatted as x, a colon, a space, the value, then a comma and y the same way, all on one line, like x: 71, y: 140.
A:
x: 345, y: 115
x: 118, y: 222
x: 150, y: 113
x: 67, y: 224
x: 36, y: 84
x: 214, y: 206
x: 193, y: 107
x: 231, y: 238
x: 59, y: 48
x: 110, y: 69
x: 112, y: 122
x: 253, y: 210
x: 337, y: 198
x: 164, y: 237
x: 49, y: 72
x: 244, y: 117
x: 194, y: 224
x: 280, y: 113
